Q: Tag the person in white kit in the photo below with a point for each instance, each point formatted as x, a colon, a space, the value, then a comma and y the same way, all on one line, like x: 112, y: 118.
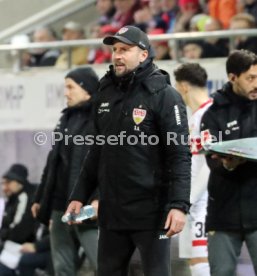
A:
x: 191, y: 81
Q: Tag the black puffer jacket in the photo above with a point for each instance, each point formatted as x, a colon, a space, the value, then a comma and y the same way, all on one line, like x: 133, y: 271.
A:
x: 18, y: 224
x: 232, y: 200
x: 64, y: 161
x: 139, y: 183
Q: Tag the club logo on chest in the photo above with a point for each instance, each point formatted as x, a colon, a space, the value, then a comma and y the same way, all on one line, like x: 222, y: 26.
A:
x: 138, y: 117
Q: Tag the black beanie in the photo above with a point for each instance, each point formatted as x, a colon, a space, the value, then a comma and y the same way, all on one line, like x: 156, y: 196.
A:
x: 86, y: 78
x: 17, y: 172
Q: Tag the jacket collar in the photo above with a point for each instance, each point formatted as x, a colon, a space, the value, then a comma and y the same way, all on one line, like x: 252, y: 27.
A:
x: 13, y: 197
x: 83, y: 107
x: 226, y: 96
x: 139, y: 73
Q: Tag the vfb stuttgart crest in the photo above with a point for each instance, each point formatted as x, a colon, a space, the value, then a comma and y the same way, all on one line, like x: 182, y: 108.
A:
x: 123, y: 30
x: 139, y: 115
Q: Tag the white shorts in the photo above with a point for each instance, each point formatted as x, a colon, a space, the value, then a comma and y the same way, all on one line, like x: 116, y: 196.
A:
x: 193, y: 240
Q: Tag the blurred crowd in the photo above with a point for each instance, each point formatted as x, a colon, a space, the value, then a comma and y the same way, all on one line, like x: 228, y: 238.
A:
x: 153, y: 17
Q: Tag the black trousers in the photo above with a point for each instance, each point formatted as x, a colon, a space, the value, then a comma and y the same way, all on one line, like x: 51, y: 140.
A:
x: 115, y: 249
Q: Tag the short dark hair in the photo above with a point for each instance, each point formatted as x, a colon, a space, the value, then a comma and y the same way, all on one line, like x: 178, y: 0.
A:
x: 192, y: 73
x: 240, y: 61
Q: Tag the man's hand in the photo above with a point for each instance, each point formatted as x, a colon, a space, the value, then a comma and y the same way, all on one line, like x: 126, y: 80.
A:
x: 95, y: 204
x: 175, y: 222
x: 35, y: 209
x: 229, y: 162
x: 28, y: 247
x: 74, y: 207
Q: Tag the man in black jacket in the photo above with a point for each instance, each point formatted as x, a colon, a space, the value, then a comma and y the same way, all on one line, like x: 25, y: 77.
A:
x: 231, y: 213
x: 61, y: 172
x: 143, y: 176
x: 18, y: 224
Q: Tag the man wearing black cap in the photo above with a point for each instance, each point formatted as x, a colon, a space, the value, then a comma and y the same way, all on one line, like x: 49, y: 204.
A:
x: 61, y: 172
x: 144, y: 187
